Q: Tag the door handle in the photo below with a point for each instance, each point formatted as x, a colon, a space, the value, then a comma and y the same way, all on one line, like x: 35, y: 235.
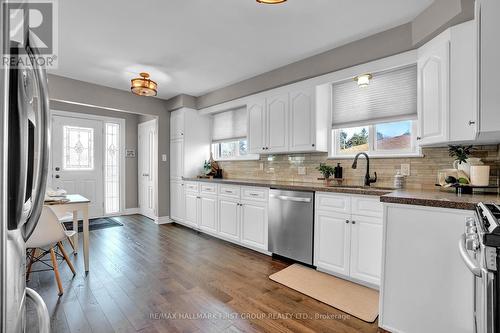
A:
x: 145, y: 174
x: 471, y: 265
x: 44, y: 143
x: 57, y: 176
x: 58, y: 168
x: 295, y: 199
x: 41, y: 311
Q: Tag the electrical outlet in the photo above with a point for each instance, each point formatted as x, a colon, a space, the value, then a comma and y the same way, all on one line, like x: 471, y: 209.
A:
x: 164, y: 157
x: 405, y: 169
x: 261, y: 166
x: 301, y: 170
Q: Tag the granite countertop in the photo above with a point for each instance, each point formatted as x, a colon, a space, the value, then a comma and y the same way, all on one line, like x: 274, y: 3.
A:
x: 436, y: 198
x: 299, y: 186
x: 430, y: 198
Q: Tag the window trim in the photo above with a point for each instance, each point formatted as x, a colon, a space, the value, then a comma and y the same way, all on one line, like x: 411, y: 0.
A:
x: 334, y: 144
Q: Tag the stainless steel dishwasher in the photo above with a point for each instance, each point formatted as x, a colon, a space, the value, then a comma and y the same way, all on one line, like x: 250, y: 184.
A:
x: 291, y: 224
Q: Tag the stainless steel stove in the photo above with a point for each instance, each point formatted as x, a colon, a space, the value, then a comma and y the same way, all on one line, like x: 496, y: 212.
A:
x: 480, y: 249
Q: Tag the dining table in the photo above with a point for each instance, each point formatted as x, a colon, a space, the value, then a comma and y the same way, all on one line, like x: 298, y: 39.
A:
x: 77, y: 203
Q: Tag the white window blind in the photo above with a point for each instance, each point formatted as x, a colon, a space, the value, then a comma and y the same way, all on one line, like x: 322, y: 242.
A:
x: 229, y: 125
x: 390, y: 96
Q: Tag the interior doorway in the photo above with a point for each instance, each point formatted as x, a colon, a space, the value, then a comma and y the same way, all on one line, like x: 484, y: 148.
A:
x: 147, y: 168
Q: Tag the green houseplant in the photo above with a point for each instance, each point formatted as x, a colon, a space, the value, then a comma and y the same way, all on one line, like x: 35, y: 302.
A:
x: 327, y: 171
x: 460, y: 153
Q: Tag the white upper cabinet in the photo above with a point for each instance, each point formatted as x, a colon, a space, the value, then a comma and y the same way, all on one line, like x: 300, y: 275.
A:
x: 277, y: 124
x: 302, y: 120
x: 447, y: 87
x: 190, y: 139
x: 489, y: 71
x: 289, y: 121
x: 176, y: 124
x: 256, y: 134
x: 433, y: 90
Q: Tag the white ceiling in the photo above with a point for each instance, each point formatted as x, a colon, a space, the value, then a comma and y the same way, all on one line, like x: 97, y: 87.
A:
x: 196, y: 46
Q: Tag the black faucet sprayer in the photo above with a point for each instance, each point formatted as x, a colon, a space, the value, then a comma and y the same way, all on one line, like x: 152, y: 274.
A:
x: 368, y: 179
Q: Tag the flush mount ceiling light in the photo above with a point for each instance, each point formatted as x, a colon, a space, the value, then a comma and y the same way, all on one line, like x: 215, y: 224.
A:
x: 271, y: 2
x: 143, y: 86
x: 363, y: 80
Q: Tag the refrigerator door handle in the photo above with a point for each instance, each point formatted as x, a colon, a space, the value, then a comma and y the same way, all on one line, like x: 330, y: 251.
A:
x: 44, y: 141
x: 41, y: 311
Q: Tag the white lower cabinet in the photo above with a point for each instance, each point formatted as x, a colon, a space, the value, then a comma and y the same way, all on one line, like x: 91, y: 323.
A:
x: 366, y: 248
x: 208, y: 214
x: 191, y: 215
x: 229, y: 219
x: 254, y: 224
x: 348, y: 237
x: 177, y: 200
x: 238, y: 214
x: 333, y: 234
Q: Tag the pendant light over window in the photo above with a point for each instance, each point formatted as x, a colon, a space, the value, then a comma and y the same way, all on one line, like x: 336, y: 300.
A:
x: 271, y: 2
x: 143, y: 86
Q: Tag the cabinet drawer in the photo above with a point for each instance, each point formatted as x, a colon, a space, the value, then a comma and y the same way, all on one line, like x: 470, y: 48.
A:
x: 229, y: 191
x: 366, y: 206
x: 254, y: 193
x: 329, y: 202
x: 192, y: 187
x: 208, y: 188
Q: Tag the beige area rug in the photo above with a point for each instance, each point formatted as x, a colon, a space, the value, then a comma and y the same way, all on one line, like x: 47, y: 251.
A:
x: 357, y: 300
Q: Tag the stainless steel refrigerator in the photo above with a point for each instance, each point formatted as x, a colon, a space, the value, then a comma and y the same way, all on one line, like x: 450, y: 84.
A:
x: 24, y: 137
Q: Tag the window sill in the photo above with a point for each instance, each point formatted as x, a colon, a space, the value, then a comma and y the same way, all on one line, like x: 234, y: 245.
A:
x: 241, y: 158
x: 402, y: 155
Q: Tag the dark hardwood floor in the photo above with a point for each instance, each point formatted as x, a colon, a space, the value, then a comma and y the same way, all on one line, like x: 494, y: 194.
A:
x: 149, y: 278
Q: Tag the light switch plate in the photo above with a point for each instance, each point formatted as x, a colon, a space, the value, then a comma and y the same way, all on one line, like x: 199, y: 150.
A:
x: 301, y: 170
x: 405, y: 169
x: 164, y: 157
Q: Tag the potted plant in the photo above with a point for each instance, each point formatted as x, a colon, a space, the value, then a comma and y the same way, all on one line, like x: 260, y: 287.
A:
x: 327, y: 171
x: 462, y: 160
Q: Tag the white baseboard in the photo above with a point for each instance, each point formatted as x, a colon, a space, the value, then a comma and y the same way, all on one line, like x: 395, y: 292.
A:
x: 131, y: 211
x: 163, y: 220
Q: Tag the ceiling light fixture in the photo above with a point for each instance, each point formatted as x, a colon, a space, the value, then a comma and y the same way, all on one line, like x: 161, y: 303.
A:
x: 271, y: 2
x: 143, y: 86
x: 363, y: 80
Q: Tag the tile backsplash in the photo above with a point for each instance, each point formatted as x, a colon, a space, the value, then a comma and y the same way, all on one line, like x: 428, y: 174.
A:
x: 423, y: 170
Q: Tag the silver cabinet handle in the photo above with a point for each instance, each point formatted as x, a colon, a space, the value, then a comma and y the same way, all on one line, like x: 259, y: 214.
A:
x: 254, y: 194
x: 471, y: 265
x: 44, y: 144
x: 145, y: 174
x: 41, y: 311
x: 296, y: 199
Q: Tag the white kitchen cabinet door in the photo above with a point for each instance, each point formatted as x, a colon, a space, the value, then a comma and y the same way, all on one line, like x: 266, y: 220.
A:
x: 176, y: 159
x: 366, y: 248
x: 192, y: 209
x: 433, y: 90
x: 302, y: 120
x: 229, y: 219
x: 332, y: 242
x: 256, y: 133
x: 208, y: 214
x: 277, y: 124
x: 177, y: 201
x: 463, y: 83
x: 176, y: 125
x: 254, y: 224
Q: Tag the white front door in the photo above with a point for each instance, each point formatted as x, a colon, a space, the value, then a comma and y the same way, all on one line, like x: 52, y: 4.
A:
x: 146, y: 162
x: 77, y: 151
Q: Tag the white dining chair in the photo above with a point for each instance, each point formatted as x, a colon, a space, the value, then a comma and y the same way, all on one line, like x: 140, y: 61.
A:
x: 64, y: 215
x: 48, y: 234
